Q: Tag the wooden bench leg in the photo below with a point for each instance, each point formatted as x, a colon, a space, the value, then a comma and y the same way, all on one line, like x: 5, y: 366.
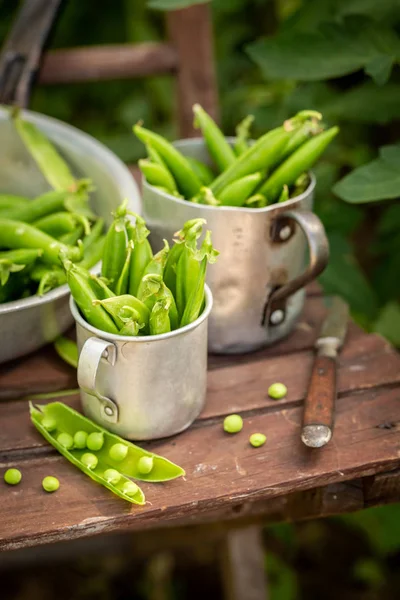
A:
x: 242, y: 561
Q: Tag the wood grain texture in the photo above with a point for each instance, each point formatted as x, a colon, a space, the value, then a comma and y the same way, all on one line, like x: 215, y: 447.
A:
x: 223, y: 471
x: 190, y: 33
x: 99, y: 63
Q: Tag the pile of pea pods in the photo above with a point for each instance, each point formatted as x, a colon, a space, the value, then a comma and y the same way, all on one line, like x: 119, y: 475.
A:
x: 243, y: 174
x: 139, y: 293
x: 35, y: 233
x: 103, y: 456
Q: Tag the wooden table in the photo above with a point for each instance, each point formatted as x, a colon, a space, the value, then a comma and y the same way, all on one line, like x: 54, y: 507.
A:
x: 227, y: 480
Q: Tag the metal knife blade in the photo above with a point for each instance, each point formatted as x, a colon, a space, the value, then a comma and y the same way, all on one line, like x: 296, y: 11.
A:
x: 320, y: 401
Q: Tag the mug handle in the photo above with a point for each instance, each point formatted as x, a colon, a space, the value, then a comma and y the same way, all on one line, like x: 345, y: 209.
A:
x: 318, y: 246
x: 94, y: 349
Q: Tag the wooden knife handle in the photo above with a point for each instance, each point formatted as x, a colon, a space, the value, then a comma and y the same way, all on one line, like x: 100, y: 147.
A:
x: 320, y: 403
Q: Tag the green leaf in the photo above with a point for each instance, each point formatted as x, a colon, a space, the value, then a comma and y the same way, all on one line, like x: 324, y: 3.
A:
x: 344, y: 277
x: 375, y: 181
x: 390, y: 220
x: 388, y: 323
x: 334, y: 50
x: 380, y: 68
x: 365, y: 103
x: 173, y: 4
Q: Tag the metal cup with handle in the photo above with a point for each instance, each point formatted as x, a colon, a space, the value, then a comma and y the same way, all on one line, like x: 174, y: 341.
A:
x: 144, y: 387
x: 259, y: 278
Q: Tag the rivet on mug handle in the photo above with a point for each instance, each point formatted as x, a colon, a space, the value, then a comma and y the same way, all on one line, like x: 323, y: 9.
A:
x: 318, y: 247
x: 94, y: 349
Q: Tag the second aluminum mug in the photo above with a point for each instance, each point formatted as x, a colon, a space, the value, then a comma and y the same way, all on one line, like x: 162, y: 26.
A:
x: 144, y: 387
x: 258, y: 280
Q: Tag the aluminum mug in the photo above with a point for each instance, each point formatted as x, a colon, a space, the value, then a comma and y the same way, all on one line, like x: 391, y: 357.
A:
x: 143, y: 388
x: 258, y: 280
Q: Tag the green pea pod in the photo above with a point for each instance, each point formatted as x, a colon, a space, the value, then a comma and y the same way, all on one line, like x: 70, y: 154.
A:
x: 284, y: 194
x: 46, y: 204
x: 159, y: 318
x: 157, y: 175
x: 9, y: 201
x: 155, y: 266
x: 16, y: 287
x: 300, y: 185
x: 256, y: 201
x: 243, y: 135
x: 95, y: 232
x: 78, y: 280
x: 100, y: 287
x: 203, y: 171
x: 123, y: 281
x: 119, y: 308
x: 154, y: 156
x: 142, y: 253
x: 206, y: 196
x: 299, y: 162
x: 47, y: 158
x: 13, y: 261
x: 132, y: 324
x: 115, y: 248
x: 306, y: 130
x: 187, y: 236
x: 59, y: 223
x: 71, y: 239
x: 50, y: 279
x: 15, y: 234
x: 195, y: 299
x: 74, y: 456
x: 258, y: 157
x: 67, y: 350
x: 154, y: 290
x: 70, y: 421
x: 187, y: 181
x: 219, y: 149
x: 237, y: 192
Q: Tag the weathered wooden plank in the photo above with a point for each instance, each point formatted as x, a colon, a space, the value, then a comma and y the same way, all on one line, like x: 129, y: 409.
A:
x: 190, y: 33
x: 382, y: 488
x: 99, y: 63
x: 223, y: 471
x: 366, y: 362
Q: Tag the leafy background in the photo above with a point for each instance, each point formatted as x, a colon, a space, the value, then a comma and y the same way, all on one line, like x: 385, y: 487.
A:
x: 275, y: 57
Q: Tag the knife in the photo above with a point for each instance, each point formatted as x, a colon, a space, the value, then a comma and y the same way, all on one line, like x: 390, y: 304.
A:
x: 319, y: 404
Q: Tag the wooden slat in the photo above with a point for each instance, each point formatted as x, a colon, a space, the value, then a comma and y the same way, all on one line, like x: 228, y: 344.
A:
x: 222, y: 471
x: 191, y: 34
x: 98, y: 63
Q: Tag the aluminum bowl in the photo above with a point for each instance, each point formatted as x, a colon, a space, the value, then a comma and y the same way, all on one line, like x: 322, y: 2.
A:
x: 26, y: 325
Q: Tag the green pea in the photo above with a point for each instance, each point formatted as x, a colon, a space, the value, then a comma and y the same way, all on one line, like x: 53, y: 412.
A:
x: 12, y: 476
x: 145, y: 465
x: 112, y: 476
x: 95, y: 441
x: 80, y: 439
x: 118, y: 452
x: 257, y: 439
x: 277, y: 391
x: 49, y: 423
x: 50, y: 484
x: 130, y: 488
x: 233, y: 423
x: 89, y: 460
x: 65, y: 440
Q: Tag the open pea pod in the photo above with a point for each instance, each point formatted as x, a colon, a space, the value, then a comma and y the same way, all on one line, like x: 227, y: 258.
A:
x: 74, y: 455
x: 70, y: 421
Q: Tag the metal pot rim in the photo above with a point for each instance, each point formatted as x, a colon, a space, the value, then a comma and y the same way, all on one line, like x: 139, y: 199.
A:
x: 287, y: 204
x: 147, y: 338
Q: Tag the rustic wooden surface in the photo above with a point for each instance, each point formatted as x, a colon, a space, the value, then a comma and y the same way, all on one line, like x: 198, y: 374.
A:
x: 227, y: 479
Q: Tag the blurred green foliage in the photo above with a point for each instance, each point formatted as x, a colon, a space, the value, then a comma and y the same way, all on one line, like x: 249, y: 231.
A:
x: 274, y: 57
